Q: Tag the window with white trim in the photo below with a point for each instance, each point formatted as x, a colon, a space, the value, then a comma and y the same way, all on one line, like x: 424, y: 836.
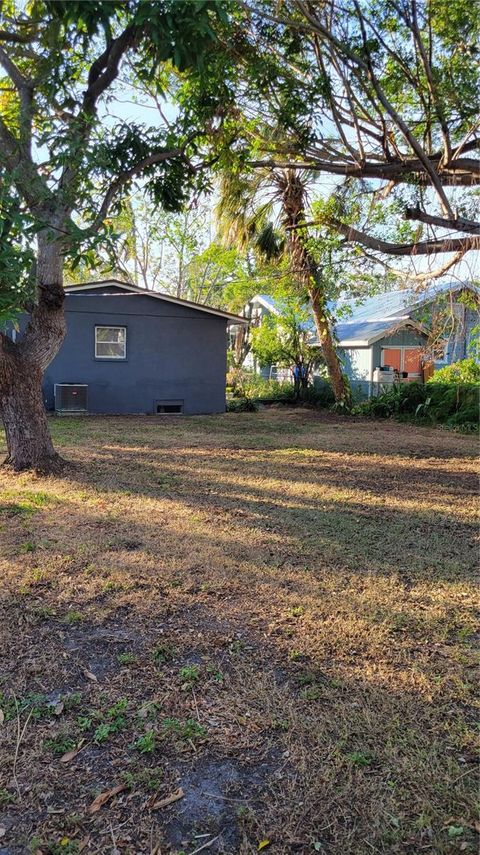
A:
x: 110, y: 342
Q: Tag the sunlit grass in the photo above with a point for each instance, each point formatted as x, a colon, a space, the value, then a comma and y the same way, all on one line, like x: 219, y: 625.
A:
x: 313, y: 581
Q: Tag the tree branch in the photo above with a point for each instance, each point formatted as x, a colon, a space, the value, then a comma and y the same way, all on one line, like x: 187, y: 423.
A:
x: 24, y: 88
x: 105, y: 68
x: 401, y: 125
x: 18, y: 161
x: 428, y: 247
x: 463, y: 172
x: 460, y: 224
x: 103, y: 72
x: 122, y: 179
x: 14, y: 38
x: 431, y: 85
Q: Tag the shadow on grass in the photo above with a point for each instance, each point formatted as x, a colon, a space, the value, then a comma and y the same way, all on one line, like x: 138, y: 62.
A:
x: 321, y: 598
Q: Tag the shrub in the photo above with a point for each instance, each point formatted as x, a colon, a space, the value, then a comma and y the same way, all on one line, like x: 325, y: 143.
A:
x: 466, y: 371
x: 323, y: 392
x: 256, y: 387
x: 442, y: 403
x: 241, y: 405
x: 253, y: 387
x: 400, y: 399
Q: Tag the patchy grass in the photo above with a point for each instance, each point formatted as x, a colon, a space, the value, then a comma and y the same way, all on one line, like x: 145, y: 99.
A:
x: 273, y: 611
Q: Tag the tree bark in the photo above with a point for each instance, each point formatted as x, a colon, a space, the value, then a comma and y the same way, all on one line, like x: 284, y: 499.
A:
x: 22, y: 365
x: 340, y: 386
x: 29, y: 445
x: 306, y: 271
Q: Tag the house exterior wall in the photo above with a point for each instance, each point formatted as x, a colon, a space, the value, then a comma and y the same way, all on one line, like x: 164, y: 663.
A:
x: 356, y: 362
x: 359, y: 362
x: 173, y: 352
x: 459, y: 342
x: 403, y: 338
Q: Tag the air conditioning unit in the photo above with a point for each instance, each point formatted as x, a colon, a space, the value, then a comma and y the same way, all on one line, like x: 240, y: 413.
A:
x: 70, y: 398
x: 385, y: 376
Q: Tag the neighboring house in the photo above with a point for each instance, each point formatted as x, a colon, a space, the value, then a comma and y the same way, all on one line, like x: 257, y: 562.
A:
x: 128, y: 350
x: 395, y: 329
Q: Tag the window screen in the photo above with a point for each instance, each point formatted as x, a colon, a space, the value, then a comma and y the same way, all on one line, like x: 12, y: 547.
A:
x: 110, y: 342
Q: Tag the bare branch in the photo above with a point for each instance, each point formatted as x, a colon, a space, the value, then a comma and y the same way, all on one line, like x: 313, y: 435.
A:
x: 428, y: 247
x: 401, y: 125
x: 431, y: 85
x: 463, y: 172
x: 460, y: 224
x: 430, y: 274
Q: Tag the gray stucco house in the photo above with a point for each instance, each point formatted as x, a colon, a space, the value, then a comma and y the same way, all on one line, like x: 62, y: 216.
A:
x: 396, y: 329
x: 128, y: 350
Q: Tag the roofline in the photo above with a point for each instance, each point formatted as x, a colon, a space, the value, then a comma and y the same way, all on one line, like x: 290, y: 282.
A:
x: 358, y: 342
x: 159, y: 295
x: 257, y: 298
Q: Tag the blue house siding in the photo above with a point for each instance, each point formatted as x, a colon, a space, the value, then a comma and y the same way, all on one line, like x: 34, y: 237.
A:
x: 356, y: 363
x: 173, y: 352
x: 461, y: 339
x: 402, y: 338
x: 359, y: 362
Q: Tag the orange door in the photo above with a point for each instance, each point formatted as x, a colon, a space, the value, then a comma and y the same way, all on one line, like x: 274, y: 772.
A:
x: 412, y: 360
x: 392, y: 356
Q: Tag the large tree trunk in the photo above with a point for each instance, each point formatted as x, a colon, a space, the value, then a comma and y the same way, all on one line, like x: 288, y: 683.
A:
x: 22, y: 365
x: 29, y: 445
x: 305, y: 269
x: 340, y: 386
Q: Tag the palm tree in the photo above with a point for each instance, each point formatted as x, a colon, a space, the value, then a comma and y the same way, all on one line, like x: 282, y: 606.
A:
x: 249, y: 208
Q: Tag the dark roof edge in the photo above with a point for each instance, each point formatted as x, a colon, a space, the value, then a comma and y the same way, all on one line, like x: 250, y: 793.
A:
x: 158, y: 295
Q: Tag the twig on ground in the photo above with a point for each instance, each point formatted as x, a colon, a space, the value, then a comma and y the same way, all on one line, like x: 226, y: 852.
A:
x: 205, y: 845
x: 20, y: 735
x: 196, y: 705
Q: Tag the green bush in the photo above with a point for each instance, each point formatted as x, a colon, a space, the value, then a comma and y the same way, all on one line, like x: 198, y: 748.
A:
x: 435, y: 403
x: 241, y: 405
x: 465, y: 372
x: 323, y: 392
x: 256, y: 388
x: 400, y: 399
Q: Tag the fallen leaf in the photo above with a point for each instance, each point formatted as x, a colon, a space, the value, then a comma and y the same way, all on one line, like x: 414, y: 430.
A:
x: 59, y: 708
x: 103, y: 798
x: 2, y: 716
x: 73, y: 752
x: 89, y: 675
x: 174, y: 797
x: 263, y: 845
x: 3, y: 831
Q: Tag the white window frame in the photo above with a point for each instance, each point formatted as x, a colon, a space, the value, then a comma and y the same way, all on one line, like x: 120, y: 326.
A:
x: 111, y: 327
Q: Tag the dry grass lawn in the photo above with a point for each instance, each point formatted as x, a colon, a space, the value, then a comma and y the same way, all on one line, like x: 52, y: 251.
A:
x: 273, y: 612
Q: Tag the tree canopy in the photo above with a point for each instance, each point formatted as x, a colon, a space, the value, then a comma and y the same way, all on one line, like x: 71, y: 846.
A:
x: 382, y: 99
x: 66, y: 161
